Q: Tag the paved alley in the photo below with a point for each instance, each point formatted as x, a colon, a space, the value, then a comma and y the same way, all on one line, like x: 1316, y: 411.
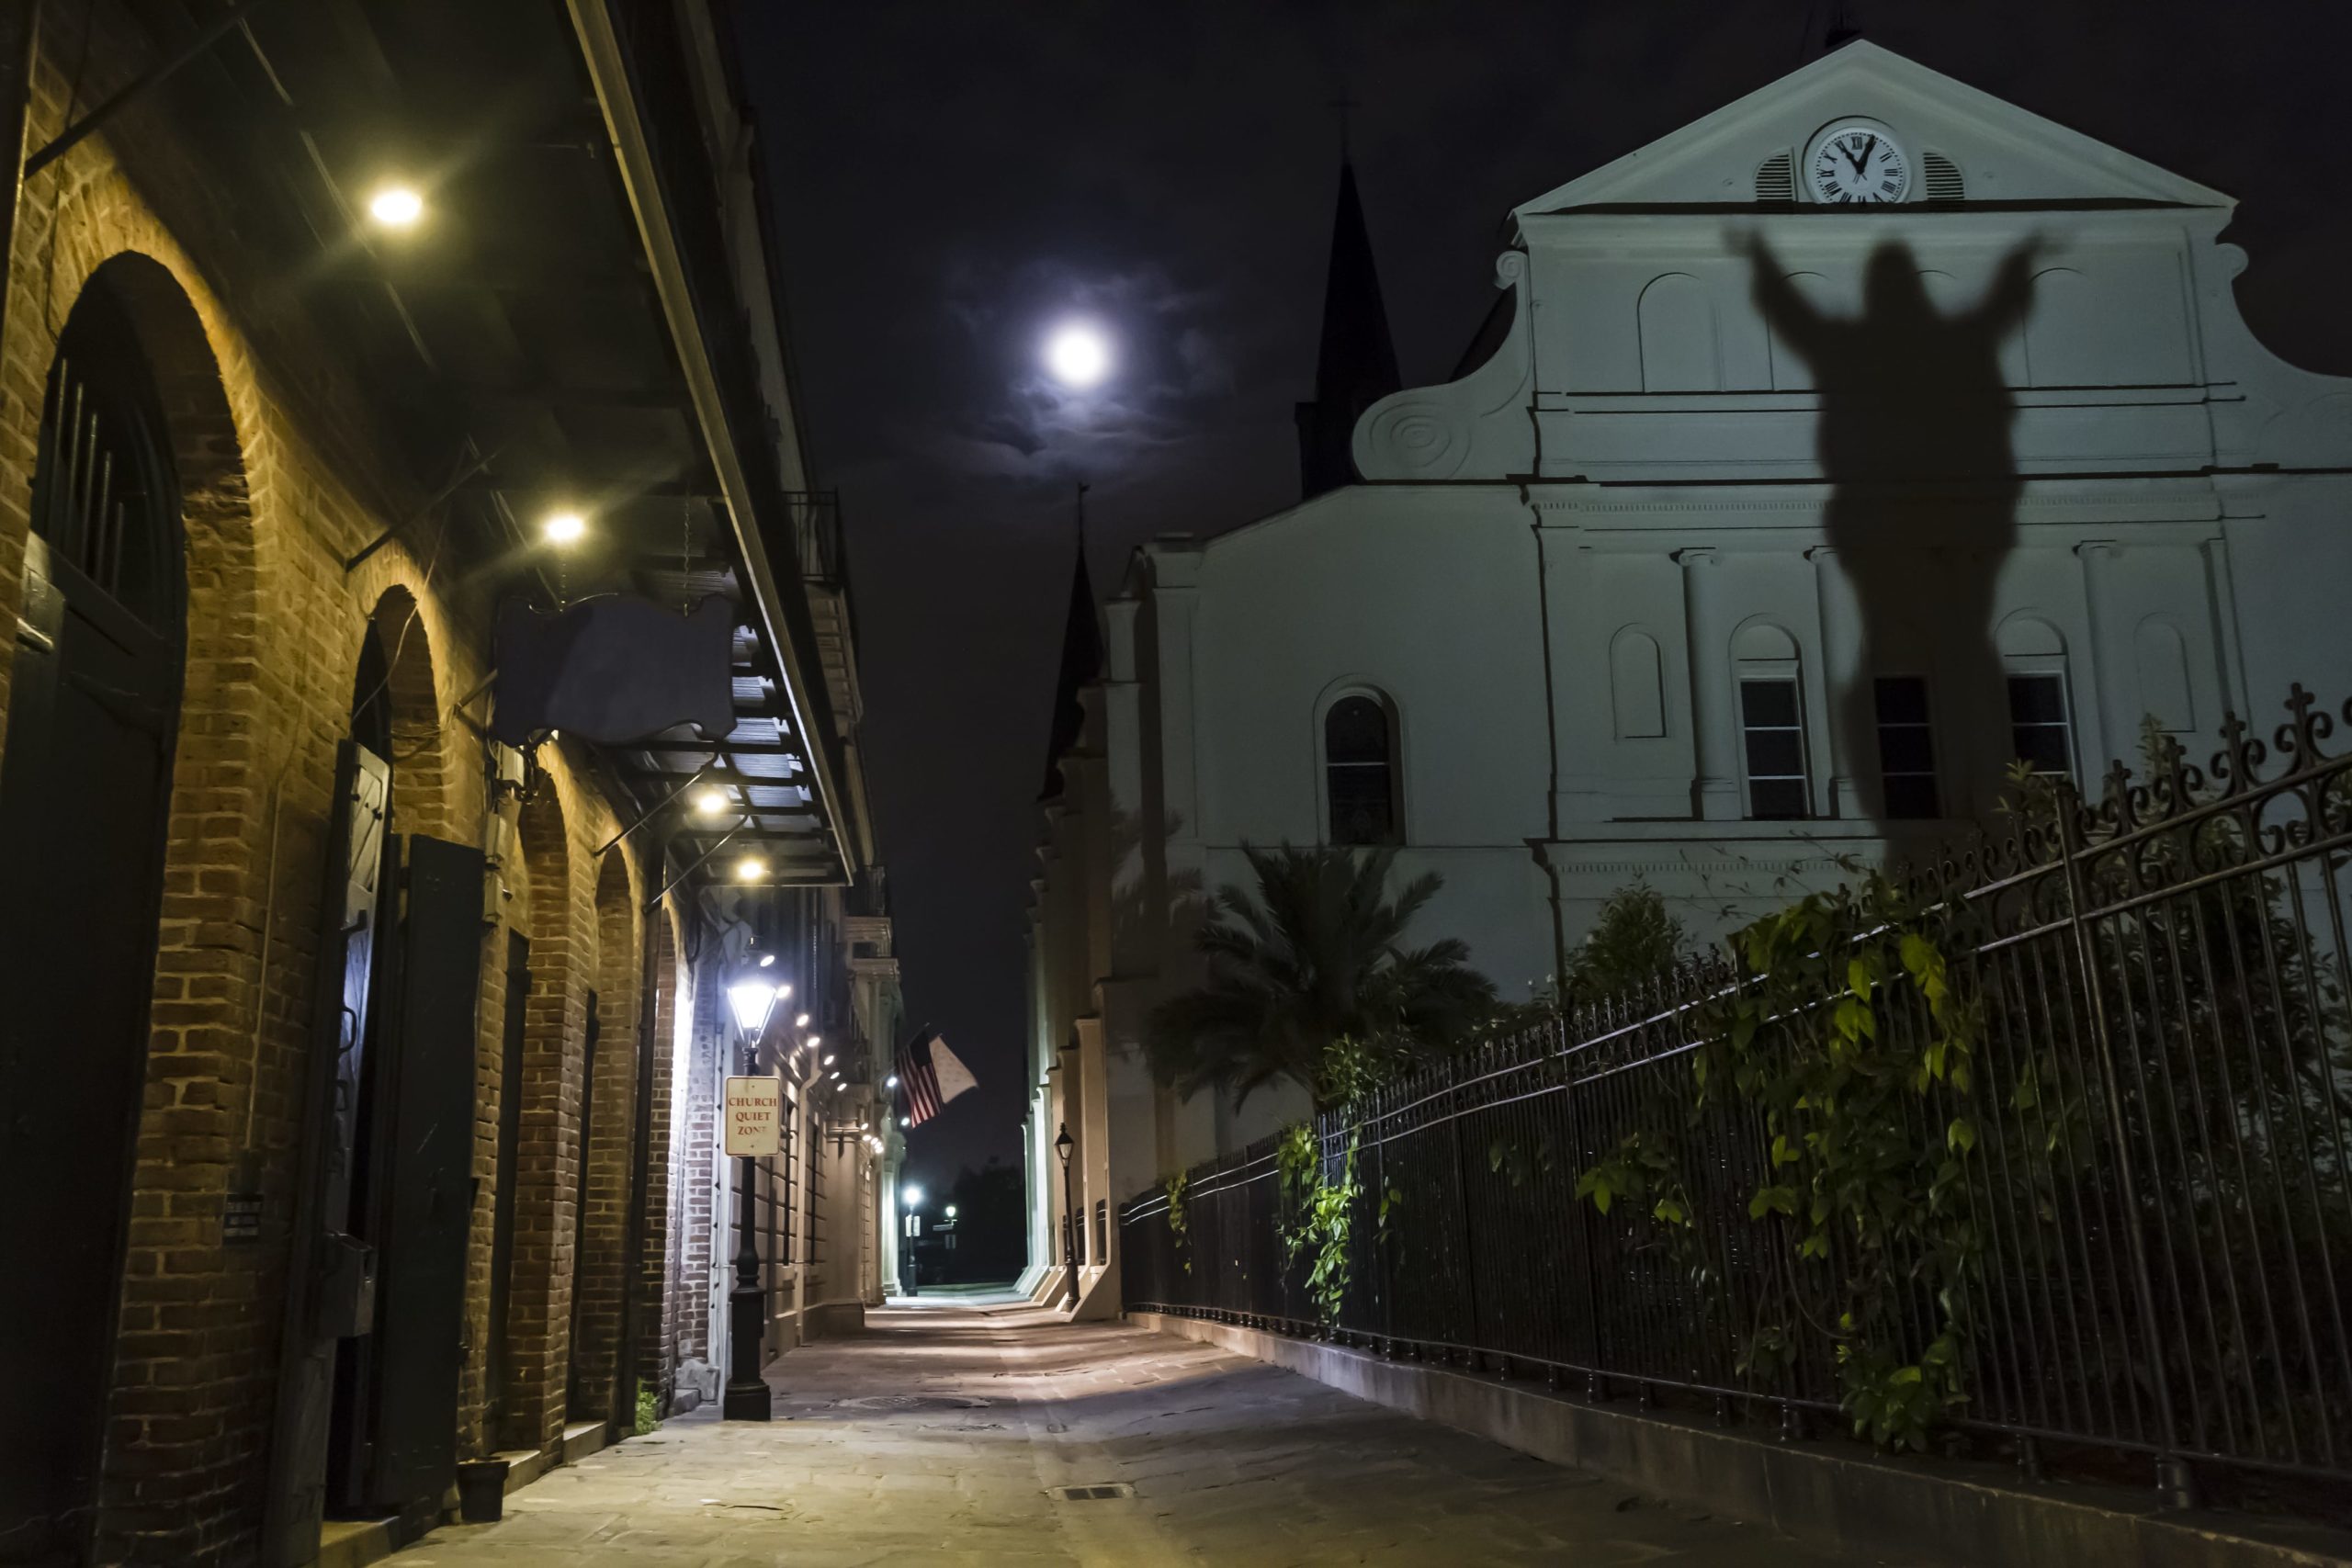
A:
x: 943, y: 1434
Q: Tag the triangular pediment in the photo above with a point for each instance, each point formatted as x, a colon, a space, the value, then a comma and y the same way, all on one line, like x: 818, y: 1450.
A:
x: 2001, y: 153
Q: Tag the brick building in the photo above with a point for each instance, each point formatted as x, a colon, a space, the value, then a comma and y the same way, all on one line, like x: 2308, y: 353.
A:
x: 357, y: 1069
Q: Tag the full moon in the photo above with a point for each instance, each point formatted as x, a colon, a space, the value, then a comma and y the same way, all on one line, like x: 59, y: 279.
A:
x: 1077, y: 355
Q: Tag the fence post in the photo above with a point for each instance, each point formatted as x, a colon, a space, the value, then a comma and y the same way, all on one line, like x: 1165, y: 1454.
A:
x: 1469, y: 1246
x: 1380, y: 1234
x: 2175, y: 1482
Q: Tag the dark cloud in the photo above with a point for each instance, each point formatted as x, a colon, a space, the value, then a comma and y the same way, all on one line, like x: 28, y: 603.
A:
x: 952, y: 178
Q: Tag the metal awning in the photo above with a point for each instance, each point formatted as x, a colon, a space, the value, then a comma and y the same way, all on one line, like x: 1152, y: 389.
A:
x: 562, y: 330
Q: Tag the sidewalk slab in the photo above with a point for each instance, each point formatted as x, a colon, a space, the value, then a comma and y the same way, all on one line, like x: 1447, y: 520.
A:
x: 988, y: 1438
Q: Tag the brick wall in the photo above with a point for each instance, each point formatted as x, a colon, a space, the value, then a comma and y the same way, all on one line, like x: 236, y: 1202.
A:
x: 656, y: 1300
x: 598, y: 1290
x: 286, y: 475
x: 693, y: 1159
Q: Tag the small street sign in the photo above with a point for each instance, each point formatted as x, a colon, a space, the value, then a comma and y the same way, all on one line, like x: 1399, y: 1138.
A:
x: 240, y: 1217
x: 755, y: 1115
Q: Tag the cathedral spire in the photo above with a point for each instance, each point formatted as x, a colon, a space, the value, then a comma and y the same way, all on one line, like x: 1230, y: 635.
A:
x: 1841, y: 29
x: 1357, y: 365
x: 1082, y: 664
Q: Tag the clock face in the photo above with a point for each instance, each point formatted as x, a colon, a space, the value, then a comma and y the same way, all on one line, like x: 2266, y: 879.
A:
x: 1857, y: 163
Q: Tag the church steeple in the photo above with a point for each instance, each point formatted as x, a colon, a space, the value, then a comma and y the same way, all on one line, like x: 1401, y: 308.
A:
x: 1357, y: 365
x: 1081, y: 665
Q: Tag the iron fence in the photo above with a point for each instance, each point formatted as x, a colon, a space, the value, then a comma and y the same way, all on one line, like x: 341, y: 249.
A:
x: 2159, y: 1185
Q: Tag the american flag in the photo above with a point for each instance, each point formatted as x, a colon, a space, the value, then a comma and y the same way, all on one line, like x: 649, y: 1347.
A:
x: 929, y: 1076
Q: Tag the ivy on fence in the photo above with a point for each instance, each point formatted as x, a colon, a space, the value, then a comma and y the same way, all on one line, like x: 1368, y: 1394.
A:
x: 1844, y: 1024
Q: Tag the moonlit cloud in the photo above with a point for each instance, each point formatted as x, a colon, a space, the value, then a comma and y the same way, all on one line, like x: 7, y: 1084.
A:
x: 1165, y: 365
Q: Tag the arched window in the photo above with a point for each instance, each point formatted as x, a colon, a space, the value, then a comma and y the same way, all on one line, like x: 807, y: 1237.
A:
x: 1360, y: 771
x: 1771, y: 722
x: 2042, y: 719
x: 103, y: 493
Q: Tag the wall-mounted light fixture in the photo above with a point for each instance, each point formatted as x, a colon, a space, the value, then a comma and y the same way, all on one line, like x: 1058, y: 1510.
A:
x: 394, y: 205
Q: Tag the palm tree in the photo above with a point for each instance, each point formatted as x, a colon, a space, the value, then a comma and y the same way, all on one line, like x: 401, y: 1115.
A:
x: 1316, y: 957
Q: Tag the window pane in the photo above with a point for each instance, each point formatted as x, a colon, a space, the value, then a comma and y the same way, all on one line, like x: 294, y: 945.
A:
x: 1768, y: 701
x: 1905, y: 748
x: 1773, y: 744
x: 2036, y: 699
x: 1911, y: 797
x: 1775, y: 753
x: 1362, y: 808
x: 2044, y: 745
x: 2038, y: 727
x: 1777, y: 798
x: 1902, y: 699
x: 1355, y: 730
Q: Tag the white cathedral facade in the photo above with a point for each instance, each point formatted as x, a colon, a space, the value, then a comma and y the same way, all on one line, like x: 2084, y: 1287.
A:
x: 1830, y: 453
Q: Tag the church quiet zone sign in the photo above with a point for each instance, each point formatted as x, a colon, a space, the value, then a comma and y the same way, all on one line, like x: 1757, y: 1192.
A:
x: 755, y: 1115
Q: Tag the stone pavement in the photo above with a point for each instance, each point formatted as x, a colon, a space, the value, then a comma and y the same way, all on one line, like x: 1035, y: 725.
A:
x: 940, y: 1439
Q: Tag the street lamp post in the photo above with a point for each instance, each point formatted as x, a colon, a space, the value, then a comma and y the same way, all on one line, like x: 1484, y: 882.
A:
x: 910, y: 1231
x: 1062, y: 1146
x: 748, y: 1398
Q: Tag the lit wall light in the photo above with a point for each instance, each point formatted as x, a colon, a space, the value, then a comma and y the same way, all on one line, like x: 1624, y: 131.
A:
x: 396, y: 207
x: 710, y: 800
x: 890, y: 1082
x: 767, y: 960
x: 829, y: 1060
x: 751, y: 868
x: 800, y: 1023
x: 563, y: 528
x: 906, y: 1120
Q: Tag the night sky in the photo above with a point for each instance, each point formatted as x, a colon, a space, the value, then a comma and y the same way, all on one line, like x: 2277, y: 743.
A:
x: 954, y: 180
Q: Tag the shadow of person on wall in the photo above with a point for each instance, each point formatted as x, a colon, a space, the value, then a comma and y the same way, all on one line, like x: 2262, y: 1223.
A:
x: 1915, y: 440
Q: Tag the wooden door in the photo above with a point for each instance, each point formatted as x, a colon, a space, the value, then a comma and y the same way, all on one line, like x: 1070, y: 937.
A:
x: 424, y: 1095
x: 328, y: 1279
x: 85, y: 788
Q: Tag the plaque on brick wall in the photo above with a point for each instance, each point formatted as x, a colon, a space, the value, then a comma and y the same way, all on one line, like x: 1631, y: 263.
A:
x: 240, y: 1217
x: 755, y: 1115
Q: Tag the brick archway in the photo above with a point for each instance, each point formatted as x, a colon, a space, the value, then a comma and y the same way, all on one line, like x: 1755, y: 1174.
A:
x: 538, y: 1330
x: 608, y: 1118
x: 197, y: 1136
x: 404, y: 674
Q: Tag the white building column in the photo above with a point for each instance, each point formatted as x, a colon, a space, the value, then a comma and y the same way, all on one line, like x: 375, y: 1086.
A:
x: 1715, y: 793
x: 2095, y: 676
x: 1849, y: 756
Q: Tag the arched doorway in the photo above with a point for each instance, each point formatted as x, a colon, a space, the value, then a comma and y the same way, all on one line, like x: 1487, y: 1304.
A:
x: 85, y: 791
x: 396, y: 1176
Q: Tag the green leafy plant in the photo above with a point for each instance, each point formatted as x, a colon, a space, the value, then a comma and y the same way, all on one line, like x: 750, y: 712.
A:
x: 1845, y: 1022
x: 1632, y: 939
x: 649, y: 1408
x: 1177, y: 1186
x: 1322, y: 1210
x: 1312, y: 955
